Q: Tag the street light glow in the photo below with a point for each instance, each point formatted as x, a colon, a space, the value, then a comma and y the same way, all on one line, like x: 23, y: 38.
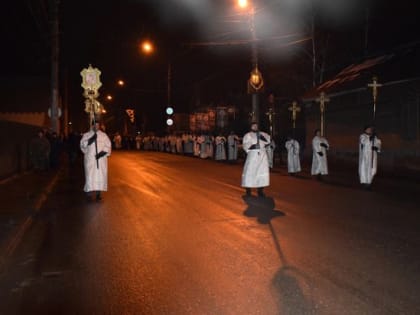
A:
x: 120, y: 82
x: 147, y: 47
x: 109, y: 97
x: 243, y: 4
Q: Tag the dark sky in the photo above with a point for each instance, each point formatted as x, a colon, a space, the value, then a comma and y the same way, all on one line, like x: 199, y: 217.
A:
x: 106, y: 34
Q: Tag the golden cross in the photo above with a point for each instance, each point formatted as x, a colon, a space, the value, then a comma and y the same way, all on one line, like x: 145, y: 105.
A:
x: 322, y: 100
x: 270, y: 115
x: 374, y: 85
x: 294, y: 109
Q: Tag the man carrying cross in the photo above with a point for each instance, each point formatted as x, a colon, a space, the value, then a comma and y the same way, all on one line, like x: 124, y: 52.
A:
x: 369, y: 147
x: 95, y: 160
x: 319, y: 156
x: 256, y: 172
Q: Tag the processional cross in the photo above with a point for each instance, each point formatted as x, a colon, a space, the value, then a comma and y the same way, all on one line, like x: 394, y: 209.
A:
x: 91, y: 83
x: 322, y: 100
x: 294, y: 109
x: 270, y: 114
x: 374, y: 85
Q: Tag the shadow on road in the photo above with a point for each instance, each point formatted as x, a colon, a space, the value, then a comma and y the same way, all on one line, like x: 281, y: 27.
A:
x: 261, y: 208
x: 291, y: 288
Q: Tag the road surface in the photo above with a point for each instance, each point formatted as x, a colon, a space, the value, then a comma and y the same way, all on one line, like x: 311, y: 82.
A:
x: 174, y: 235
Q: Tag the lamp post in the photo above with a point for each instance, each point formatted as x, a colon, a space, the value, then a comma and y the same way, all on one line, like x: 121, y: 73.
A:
x: 255, y: 81
x: 55, y: 111
x: 148, y: 48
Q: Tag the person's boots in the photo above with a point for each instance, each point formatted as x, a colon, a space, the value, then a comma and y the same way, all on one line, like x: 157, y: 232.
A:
x: 260, y: 192
x: 98, y: 196
x: 248, y: 192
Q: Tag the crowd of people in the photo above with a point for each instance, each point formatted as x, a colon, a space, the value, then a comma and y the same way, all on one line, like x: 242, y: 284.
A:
x: 369, y: 147
x: 256, y: 145
x: 45, y: 150
x: 205, y: 146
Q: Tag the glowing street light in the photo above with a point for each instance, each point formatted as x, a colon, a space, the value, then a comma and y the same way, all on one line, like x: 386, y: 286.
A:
x: 109, y: 97
x: 120, y: 82
x: 243, y: 4
x: 147, y: 47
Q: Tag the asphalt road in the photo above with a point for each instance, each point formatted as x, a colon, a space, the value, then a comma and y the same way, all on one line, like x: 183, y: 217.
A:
x: 174, y: 235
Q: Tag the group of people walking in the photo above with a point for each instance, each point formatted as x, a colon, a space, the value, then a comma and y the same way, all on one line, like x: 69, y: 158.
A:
x: 320, y: 147
x: 258, y: 146
x: 256, y: 169
x: 205, y: 146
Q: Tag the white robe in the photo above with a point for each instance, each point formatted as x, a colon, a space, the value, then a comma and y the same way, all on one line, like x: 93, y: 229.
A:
x: 118, y: 141
x: 319, y: 163
x: 232, y: 142
x: 270, y: 153
x: 96, y: 179
x: 220, y: 148
x: 196, y: 146
x: 209, y: 148
x: 293, y: 160
x: 201, y: 140
x: 256, y: 172
x: 367, y: 164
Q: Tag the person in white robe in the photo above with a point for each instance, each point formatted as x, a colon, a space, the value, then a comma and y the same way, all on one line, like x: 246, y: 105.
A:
x: 220, y: 154
x: 256, y: 172
x: 201, y: 140
x: 319, y: 155
x: 118, y: 141
x: 96, y: 148
x: 232, y: 143
x: 188, y: 144
x: 369, y: 147
x: 293, y: 157
x: 138, y: 141
x: 209, y: 147
x: 196, y: 146
x: 270, y: 153
x: 179, y: 149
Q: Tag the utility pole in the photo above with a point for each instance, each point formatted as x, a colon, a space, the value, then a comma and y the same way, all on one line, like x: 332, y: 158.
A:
x: 254, y: 60
x: 54, y: 109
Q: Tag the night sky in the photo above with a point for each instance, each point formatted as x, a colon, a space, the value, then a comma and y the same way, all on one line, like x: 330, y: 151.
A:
x: 107, y: 33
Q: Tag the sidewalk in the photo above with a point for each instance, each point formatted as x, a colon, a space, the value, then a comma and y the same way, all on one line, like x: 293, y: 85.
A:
x: 20, y: 198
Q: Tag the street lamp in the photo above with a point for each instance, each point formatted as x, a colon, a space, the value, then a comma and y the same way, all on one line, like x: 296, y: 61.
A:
x: 120, y: 82
x: 147, y: 47
x: 243, y: 4
x: 255, y: 81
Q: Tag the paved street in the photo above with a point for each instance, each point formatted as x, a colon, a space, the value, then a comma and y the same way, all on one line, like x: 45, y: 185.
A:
x: 174, y: 235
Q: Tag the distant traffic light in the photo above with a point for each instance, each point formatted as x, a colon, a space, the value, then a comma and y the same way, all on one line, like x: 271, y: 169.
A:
x: 169, y: 118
